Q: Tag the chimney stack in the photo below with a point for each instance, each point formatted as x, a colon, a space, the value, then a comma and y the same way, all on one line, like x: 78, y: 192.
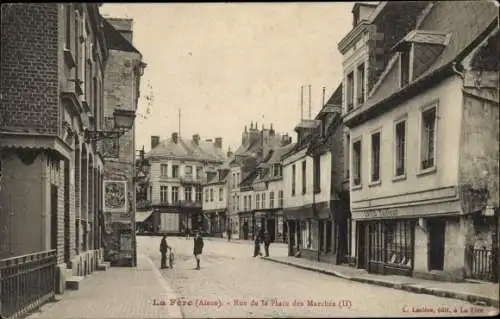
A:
x: 155, y: 140
x: 229, y: 153
x: 175, y: 137
x: 196, y: 139
x: 218, y: 142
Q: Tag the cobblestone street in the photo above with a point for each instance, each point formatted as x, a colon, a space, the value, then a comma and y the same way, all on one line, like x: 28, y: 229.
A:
x: 229, y: 274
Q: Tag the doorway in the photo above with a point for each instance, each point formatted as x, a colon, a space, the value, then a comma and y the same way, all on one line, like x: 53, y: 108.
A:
x: 53, y: 215
x: 271, y: 228
x: 436, y: 227
x: 363, y: 245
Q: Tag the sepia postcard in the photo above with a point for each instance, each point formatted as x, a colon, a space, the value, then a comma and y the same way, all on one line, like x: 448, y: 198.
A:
x: 249, y: 159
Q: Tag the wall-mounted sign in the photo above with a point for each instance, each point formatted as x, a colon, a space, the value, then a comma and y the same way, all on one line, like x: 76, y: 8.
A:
x: 115, y: 196
x: 378, y: 213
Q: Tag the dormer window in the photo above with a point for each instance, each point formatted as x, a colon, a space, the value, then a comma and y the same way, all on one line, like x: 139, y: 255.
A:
x: 404, y: 62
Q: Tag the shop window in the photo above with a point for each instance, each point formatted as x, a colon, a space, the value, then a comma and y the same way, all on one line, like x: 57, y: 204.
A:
x: 314, y: 236
x: 328, y: 235
x: 305, y: 234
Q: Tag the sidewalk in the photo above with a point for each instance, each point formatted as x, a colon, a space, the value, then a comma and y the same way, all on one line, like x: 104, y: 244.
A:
x: 480, y: 293
x: 116, y: 293
x: 239, y: 241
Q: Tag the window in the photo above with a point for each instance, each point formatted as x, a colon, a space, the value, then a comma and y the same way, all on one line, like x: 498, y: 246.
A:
x: 150, y: 193
x: 257, y: 201
x: 211, y: 194
x: 400, y: 140
x: 375, y: 169
x: 234, y: 180
x: 304, y: 188
x: 199, y: 172
x: 237, y: 202
x: 77, y: 45
x: 221, y: 194
x: 206, y: 195
x: 356, y: 164
x: 68, y: 26
x: 405, y: 67
x: 163, y: 194
x: 175, y: 194
x: 188, y: 171
x: 237, y: 179
x: 250, y: 202
x: 271, y: 200
x: 317, y: 174
x: 361, y: 84
x: 280, y: 198
x: 245, y: 205
x: 175, y: 171
x: 350, y: 91
x: 198, y: 194
x: 188, y: 194
x: 163, y: 170
x: 347, y: 156
x: 306, y: 234
x: 276, y: 170
x: 293, y: 180
x: 263, y: 203
x: 428, y: 137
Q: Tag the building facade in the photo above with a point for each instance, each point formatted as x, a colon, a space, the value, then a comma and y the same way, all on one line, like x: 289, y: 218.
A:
x: 52, y: 74
x: 121, y: 93
x: 316, y: 206
x: 215, y: 200
x: 429, y: 210
x: 179, y: 168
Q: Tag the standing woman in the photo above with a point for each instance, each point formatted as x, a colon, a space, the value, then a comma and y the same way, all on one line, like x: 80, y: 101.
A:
x: 198, y: 248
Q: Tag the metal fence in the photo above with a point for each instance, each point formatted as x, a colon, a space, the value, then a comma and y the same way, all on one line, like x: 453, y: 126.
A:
x: 26, y: 282
x: 483, y: 263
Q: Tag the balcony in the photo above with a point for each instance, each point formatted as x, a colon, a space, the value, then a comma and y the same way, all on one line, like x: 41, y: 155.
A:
x: 143, y: 204
x: 189, y: 179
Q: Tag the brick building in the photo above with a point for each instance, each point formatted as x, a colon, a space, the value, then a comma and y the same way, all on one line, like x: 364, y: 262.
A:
x: 431, y: 118
x: 124, y: 69
x: 51, y: 91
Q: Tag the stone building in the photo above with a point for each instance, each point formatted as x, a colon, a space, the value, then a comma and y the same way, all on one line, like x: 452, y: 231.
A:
x: 124, y: 69
x: 52, y: 75
x: 179, y: 168
x: 424, y: 140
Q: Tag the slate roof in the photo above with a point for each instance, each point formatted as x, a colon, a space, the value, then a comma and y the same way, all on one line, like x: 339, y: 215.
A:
x: 187, y: 149
x: 277, y: 153
x: 462, y: 21
x: 115, y: 40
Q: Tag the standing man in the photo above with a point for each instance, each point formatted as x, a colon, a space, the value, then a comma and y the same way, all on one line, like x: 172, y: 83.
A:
x: 163, y: 250
x: 256, y: 244
x: 198, y: 248
x: 229, y: 233
x: 267, y: 242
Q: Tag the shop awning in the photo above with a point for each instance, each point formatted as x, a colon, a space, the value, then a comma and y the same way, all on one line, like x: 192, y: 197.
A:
x: 142, y: 216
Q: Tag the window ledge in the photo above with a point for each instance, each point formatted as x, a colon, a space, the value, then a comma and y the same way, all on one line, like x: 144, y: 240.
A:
x: 356, y: 187
x: 427, y: 171
x: 399, y: 178
x: 375, y: 183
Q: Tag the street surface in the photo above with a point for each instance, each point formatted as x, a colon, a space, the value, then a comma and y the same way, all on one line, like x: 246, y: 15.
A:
x: 231, y: 283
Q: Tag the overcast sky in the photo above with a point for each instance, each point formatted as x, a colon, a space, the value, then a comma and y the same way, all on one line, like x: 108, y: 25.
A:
x: 227, y: 64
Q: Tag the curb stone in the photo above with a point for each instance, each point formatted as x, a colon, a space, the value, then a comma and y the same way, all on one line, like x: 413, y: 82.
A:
x: 409, y: 287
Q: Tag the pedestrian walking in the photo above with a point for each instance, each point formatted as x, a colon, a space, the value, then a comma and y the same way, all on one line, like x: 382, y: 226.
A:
x: 229, y: 234
x: 163, y: 250
x: 198, y: 248
x: 256, y: 245
x: 267, y: 242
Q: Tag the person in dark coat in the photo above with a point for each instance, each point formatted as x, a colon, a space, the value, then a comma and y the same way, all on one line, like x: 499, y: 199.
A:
x: 198, y: 248
x: 256, y: 244
x: 267, y: 242
x: 163, y: 250
x: 229, y: 233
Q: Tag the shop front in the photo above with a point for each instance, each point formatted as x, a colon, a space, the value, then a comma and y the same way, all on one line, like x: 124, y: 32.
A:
x: 303, y: 239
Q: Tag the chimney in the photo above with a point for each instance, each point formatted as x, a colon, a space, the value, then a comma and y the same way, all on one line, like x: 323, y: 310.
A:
x: 218, y: 142
x: 155, y: 140
x: 208, y: 140
x: 196, y: 139
x: 175, y: 137
x: 122, y: 25
x: 229, y: 153
x: 271, y: 130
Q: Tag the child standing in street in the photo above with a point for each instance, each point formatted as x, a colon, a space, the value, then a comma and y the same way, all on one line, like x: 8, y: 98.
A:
x: 198, y: 248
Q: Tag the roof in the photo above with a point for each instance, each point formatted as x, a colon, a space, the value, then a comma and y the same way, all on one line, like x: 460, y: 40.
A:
x: 204, y: 151
x: 115, y: 39
x: 462, y: 23
x: 308, y: 124
x: 277, y: 153
x: 336, y: 98
x: 249, y: 178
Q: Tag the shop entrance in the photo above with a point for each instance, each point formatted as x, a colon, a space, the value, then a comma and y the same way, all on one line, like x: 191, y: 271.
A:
x: 436, y: 228
x: 271, y: 228
x: 363, y: 245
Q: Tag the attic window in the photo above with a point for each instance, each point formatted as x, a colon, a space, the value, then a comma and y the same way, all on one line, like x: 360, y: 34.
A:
x: 404, y: 61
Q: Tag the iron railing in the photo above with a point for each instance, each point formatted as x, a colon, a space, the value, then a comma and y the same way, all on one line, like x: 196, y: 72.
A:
x: 26, y: 282
x: 482, y: 262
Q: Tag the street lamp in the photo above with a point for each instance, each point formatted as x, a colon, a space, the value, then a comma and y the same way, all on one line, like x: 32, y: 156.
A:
x: 124, y: 120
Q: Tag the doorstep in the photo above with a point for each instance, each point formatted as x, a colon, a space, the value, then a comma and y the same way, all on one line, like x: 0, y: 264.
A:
x: 481, y: 294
